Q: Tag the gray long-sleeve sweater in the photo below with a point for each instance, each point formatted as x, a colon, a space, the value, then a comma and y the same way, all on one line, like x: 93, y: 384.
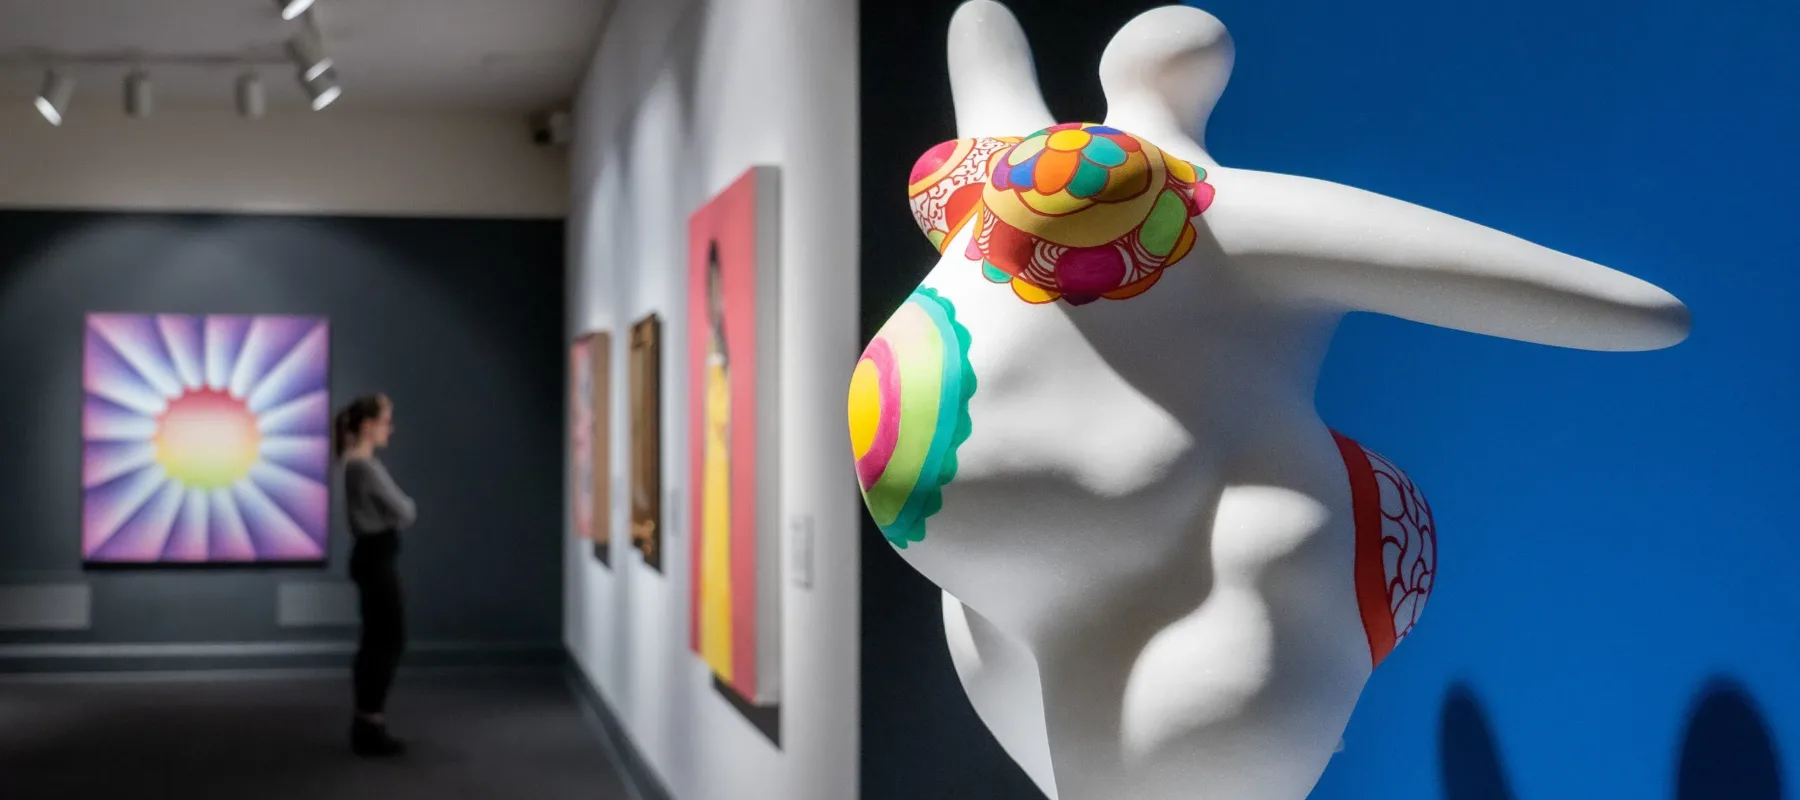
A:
x: 375, y: 502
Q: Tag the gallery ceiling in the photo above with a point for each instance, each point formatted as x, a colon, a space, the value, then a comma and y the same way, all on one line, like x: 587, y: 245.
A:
x: 404, y: 54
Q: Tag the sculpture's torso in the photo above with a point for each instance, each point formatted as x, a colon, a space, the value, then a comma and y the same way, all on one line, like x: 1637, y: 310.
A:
x: 1181, y: 562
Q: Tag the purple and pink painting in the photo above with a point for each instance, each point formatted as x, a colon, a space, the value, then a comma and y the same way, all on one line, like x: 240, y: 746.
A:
x: 206, y: 439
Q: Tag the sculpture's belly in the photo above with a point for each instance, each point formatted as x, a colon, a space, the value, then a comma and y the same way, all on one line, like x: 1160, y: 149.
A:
x: 1248, y: 694
x: 1244, y: 697
x: 1276, y: 648
x: 1039, y: 554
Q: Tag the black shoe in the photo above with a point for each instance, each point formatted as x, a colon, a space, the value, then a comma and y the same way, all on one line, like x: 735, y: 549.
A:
x: 373, y: 740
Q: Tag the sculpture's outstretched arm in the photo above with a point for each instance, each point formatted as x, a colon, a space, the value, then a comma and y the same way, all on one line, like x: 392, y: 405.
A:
x: 1346, y: 249
x: 1319, y: 242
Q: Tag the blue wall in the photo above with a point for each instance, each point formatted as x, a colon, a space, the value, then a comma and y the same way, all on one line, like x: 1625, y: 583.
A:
x: 1617, y: 531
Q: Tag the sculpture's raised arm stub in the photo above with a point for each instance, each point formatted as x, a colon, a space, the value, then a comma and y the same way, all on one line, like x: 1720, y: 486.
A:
x: 992, y: 79
x: 1163, y: 73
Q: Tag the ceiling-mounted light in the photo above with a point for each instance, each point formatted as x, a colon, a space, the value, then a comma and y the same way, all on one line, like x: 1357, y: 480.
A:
x: 252, y: 102
x: 321, y: 67
x: 308, y: 53
x: 293, y: 8
x: 137, y: 94
x: 53, y: 99
x: 323, y: 90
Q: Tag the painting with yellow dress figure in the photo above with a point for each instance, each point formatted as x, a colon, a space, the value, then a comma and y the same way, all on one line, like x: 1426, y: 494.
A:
x: 732, y: 444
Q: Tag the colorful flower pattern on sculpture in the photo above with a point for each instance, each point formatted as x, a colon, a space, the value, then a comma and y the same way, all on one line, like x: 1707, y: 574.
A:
x: 909, y: 412
x: 1081, y: 211
x: 945, y: 188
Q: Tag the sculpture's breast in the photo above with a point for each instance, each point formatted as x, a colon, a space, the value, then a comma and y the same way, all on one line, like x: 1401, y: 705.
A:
x: 909, y: 412
x: 1396, y: 546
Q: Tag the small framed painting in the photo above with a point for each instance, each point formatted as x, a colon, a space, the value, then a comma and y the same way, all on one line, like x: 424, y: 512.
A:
x: 645, y: 390
x: 590, y: 441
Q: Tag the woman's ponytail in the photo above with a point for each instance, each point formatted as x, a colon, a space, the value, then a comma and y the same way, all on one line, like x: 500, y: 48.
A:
x: 348, y: 422
x: 340, y: 433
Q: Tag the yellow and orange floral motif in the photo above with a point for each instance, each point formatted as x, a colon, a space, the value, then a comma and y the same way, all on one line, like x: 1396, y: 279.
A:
x: 1077, y: 211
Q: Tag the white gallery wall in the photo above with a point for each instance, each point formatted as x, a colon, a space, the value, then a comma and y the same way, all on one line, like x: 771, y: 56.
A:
x: 339, y: 161
x: 683, y: 97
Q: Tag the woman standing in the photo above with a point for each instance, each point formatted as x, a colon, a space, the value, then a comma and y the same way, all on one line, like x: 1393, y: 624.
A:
x: 378, y: 512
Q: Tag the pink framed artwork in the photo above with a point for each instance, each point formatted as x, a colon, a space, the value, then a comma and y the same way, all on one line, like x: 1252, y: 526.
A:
x: 734, y: 459
x: 590, y: 442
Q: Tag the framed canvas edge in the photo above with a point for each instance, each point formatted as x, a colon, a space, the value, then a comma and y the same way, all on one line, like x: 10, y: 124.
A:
x: 770, y: 538
x: 601, y: 362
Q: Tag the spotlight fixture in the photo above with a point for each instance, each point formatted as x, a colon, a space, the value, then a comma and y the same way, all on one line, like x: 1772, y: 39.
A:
x: 137, y: 94
x: 313, y: 72
x: 308, y: 53
x: 323, y: 90
x: 252, y: 102
x: 291, y: 9
x: 53, y: 99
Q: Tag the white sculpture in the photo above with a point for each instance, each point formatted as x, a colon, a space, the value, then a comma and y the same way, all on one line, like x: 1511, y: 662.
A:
x: 1164, y: 576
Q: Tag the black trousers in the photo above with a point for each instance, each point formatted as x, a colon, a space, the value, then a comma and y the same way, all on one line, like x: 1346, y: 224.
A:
x: 374, y: 566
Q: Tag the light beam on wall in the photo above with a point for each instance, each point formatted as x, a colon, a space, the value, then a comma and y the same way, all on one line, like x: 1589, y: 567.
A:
x: 138, y: 98
x: 252, y: 101
x: 53, y: 99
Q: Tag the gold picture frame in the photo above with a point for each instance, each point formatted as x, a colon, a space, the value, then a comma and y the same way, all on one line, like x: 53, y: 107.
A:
x: 644, y: 388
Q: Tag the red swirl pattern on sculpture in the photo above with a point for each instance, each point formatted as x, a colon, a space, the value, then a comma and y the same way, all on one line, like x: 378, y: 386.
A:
x: 1408, y: 544
x: 1395, y: 546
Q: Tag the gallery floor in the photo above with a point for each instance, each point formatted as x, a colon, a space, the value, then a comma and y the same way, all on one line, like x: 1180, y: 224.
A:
x: 276, y: 737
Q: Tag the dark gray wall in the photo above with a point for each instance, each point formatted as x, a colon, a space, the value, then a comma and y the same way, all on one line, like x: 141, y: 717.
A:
x: 459, y: 321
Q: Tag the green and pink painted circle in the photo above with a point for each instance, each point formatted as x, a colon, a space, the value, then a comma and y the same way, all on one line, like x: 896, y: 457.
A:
x: 909, y: 412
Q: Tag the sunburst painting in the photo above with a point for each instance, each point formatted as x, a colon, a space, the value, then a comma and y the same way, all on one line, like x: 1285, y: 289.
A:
x: 206, y: 439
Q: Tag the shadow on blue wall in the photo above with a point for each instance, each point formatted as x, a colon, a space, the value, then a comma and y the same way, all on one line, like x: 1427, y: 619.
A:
x: 1728, y: 752
x: 1614, y: 528
x: 1468, y: 755
x: 1727, y: 749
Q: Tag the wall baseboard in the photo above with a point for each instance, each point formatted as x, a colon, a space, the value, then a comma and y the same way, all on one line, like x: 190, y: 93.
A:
x: 211, y: 656
x: 640, y: 779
